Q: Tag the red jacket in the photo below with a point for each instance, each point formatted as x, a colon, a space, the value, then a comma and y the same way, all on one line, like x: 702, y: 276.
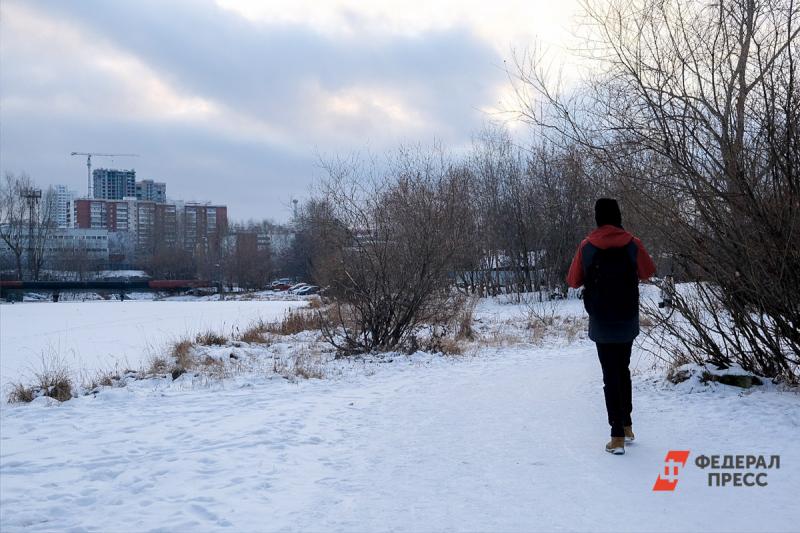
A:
x: 610, y: 237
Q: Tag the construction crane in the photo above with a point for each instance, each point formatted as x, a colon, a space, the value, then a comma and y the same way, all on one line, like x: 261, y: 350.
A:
x: 89, y: 163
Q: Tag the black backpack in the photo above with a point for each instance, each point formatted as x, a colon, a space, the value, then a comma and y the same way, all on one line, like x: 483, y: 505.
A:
x: 611, y: 283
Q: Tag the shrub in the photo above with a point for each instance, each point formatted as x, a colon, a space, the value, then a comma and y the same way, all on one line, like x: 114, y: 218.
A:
x: 384, y: 241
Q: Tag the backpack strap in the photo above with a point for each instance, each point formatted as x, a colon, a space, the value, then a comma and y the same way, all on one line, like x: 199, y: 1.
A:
x: 587, y: 256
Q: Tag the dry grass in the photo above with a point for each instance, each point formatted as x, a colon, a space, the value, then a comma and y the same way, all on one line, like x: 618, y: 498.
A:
x: 107, y: 380
x: 258, y: 333
x: 538, y: 330
x: 509, y: 332
x: 254, y: 335
x: 214, y: 368
x: 464, y: 320
x: 540, y: 313
x: 307, y: 370
x: 574, y: 327
x: 158, y: 365
x: 54, y: 380
x: 306, y: 362
x: 449, y: 346
x: 21, y: 393
x: 294, y: 321
x: 210, y: 338
x: 101, y: 379
x: 673, y: 374
x: 440, y: 341
x: 179, y: 361
x: 182, y: 353
x: 297, y: 321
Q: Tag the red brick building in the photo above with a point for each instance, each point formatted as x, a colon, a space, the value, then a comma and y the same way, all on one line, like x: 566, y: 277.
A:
x: 199, y: 228
x: 204, y: 227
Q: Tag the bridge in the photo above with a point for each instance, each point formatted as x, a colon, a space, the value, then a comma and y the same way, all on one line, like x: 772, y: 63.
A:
x: 13, y: 290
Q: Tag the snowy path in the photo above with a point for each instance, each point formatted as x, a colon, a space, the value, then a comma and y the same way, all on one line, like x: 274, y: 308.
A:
x: 511, y: 441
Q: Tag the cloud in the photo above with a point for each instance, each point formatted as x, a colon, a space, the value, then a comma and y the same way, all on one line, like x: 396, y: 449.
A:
x: 233, y: 95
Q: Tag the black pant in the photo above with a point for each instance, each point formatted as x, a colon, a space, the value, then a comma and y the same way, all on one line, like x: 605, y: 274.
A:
x: 615, y: 358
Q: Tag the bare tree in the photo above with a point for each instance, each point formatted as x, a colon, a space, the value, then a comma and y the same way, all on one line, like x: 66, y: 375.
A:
x: 27, y: 217
x: 43, y: 223
x: 75, y: 259
x: 170, y: 262
x: 693, y: 113
x: 13, y: 213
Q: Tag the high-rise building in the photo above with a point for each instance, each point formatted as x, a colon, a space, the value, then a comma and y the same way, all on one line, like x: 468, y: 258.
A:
x: 113, y: 184
x: 151, y: 191
x: 64, y: 198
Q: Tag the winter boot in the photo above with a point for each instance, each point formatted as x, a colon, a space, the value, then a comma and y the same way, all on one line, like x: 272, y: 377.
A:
x: 616, y: 446
x: 629, y: 436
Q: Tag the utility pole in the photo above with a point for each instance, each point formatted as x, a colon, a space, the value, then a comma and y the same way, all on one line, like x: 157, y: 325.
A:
x: 32, y: 197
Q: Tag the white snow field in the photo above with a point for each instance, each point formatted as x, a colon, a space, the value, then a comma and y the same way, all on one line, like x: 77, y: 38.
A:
x: 508, y: 438
x: 101, y: 335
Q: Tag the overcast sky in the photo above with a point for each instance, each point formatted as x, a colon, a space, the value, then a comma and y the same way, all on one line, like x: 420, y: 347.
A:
x: 232, y: 101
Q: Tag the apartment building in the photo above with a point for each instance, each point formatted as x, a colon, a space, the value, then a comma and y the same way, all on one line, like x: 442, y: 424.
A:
x: 64, y: 198
x: 111, y: 215
x: 156, y: 226
x: 204, y: 227
x: 199, y: 228
x: 151, y: 191
x: 143, y: 221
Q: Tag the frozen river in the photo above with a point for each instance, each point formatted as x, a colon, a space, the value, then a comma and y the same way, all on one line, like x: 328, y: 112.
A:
x: 99, y: 335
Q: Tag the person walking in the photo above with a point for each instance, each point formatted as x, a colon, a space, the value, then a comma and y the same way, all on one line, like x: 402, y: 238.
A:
x: 609, y: 263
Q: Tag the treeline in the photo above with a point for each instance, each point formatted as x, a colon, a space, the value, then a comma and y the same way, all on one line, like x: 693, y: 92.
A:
x: 690, y: 116
x: 249, y: 256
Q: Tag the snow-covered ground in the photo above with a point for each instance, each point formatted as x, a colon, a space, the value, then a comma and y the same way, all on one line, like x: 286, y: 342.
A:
x: 507, y: 438
x: 103, y: 335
